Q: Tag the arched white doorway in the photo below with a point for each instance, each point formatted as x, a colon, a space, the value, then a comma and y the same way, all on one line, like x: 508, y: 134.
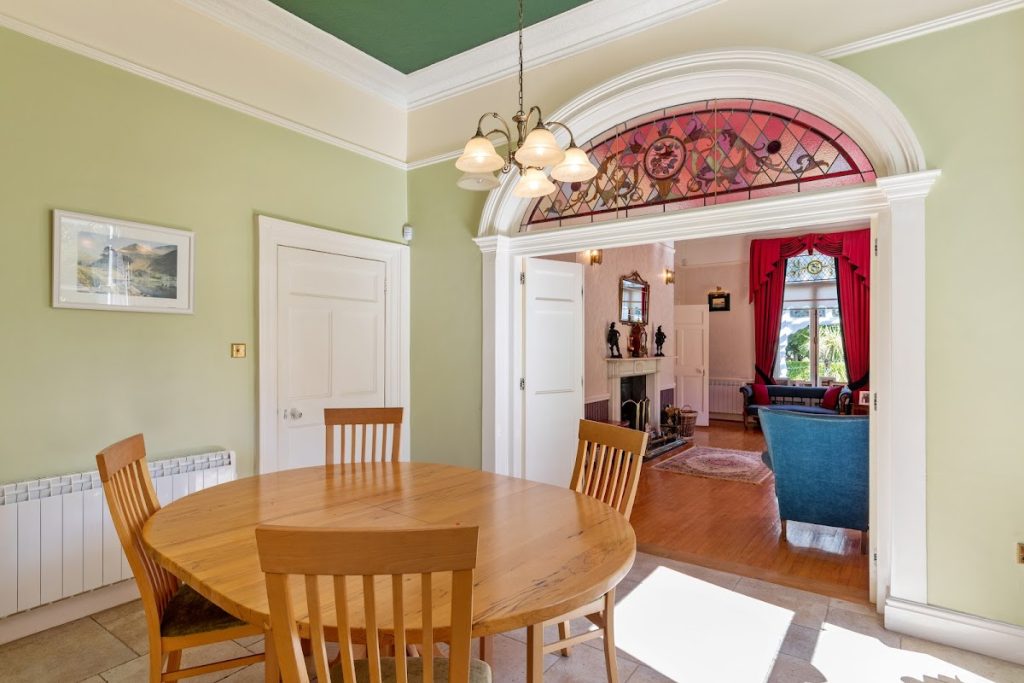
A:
x: 893, y: 206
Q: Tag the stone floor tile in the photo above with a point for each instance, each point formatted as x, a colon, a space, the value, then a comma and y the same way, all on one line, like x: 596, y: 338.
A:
x: 71, y: 652
x: 645, y: 564
x: 864, y: 624
x: 809, y: 609
x: 508, y: 661
x: 800, y: 642
x: 988, y: 667
x: 793, y: 670
x: 128, y: 624
x: 585, y: 665
x: 859, y: 607
x: 250, y: 674
x: 248, y: 640
x: 645, y: 674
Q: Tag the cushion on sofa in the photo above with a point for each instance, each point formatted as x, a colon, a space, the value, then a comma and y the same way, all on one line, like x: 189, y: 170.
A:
x: 831, y: 397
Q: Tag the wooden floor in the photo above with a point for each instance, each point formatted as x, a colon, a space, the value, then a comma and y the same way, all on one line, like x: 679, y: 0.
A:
x: 734, y: 526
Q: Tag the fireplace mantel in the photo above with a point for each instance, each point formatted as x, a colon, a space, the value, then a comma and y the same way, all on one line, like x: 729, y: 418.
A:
x: 648, y: 367
x: 631, y: 367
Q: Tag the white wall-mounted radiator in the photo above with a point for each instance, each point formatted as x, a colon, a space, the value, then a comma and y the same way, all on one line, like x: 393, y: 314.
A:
x: 726, y: 398
x: 57, y: 538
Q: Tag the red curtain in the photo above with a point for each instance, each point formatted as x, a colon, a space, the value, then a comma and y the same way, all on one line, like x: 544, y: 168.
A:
x: 767, y: 287
x: 852, y: 251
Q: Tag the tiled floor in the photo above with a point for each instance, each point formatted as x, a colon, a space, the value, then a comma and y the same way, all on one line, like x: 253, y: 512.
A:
x: 675, y: 622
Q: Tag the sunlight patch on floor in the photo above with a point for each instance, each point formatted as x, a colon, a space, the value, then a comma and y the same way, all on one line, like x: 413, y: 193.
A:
x: 691, y: 630
x: 844, y: 656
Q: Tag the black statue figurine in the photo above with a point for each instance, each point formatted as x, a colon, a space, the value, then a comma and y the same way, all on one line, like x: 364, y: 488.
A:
x: 659, y: 341
x: 613, y: 342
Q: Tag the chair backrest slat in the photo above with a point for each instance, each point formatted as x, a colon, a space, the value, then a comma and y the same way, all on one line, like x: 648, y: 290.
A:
x: 367, y: 554
x: 132, y: 500
x: 608, y: 462
x: 359, y: 439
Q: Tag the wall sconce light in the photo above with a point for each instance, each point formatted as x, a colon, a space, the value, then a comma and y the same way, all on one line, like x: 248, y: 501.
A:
x: 594, y: 256
x: 670, y: 276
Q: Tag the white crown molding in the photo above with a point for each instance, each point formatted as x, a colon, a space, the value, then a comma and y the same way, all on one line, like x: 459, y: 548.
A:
x: 192, y: 89
x: 436, y: 159
x: 924, y: 28
x: 565, y: 34
x: 581, y: 28
x: 965, y: 631
x: 287, y: 33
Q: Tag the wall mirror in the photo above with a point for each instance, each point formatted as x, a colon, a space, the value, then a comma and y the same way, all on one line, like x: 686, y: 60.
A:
x: 634, y: 299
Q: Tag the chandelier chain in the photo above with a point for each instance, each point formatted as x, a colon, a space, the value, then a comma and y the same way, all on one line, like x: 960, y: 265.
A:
x: 520, y: 56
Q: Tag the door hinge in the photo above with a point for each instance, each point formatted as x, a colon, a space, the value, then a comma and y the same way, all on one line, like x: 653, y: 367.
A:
x: 522, y: 384
x: 522, y: 278
x: 876, y: 246
x: 874, y: 397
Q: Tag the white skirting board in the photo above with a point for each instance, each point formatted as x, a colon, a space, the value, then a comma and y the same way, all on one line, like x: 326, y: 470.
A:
x: 965, y: 631
x: 64, y: 611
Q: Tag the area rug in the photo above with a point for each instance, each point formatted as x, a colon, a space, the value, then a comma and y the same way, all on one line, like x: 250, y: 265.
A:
x: 718, y: 463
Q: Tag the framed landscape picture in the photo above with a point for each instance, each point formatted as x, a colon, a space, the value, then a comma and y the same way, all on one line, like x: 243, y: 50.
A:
x: 110, y: 264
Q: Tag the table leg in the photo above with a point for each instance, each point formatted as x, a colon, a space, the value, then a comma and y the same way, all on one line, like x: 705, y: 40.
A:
x: 271, y: 669
x: 486, y: 648
x: 535, y: 653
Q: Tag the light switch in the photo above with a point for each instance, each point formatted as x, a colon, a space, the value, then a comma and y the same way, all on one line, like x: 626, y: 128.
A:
x: 238, y: 350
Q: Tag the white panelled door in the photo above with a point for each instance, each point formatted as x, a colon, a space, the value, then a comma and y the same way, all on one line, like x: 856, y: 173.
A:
x: 692, y: 336
x: 331, y: 345
x: 553, y: 378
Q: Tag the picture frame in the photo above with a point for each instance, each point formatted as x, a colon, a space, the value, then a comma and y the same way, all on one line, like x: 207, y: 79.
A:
x: 116, y: 265
x: 864, y: 398
x: 718, y: 301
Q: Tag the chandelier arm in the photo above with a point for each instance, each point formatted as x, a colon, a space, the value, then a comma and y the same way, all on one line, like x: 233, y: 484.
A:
x: 572, y: 138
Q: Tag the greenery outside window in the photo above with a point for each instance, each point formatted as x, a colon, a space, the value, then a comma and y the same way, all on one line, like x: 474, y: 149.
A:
x: 810, y: 336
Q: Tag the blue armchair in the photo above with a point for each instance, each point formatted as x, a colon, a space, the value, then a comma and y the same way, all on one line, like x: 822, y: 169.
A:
x: 821, y: 468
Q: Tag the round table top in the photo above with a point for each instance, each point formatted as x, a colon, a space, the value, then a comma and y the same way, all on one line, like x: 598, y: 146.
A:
x: 543, y: 550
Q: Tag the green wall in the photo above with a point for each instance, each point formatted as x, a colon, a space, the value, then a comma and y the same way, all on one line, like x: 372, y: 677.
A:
x: 963, y: 93
x: 79, y: 135
x: 446, y: 325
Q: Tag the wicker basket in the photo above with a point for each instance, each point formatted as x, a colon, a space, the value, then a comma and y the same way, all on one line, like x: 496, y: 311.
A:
x: 687, y: 421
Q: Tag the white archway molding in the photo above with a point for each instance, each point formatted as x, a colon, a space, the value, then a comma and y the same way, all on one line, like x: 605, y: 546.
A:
x: 894, y: 206
x: 816, y: 85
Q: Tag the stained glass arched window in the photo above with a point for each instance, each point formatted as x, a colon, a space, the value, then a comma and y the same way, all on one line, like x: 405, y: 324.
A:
x: 703, y: 153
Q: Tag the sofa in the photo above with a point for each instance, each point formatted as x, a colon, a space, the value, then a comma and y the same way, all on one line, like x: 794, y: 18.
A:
x: 795, y: 399
x: 821, y: 467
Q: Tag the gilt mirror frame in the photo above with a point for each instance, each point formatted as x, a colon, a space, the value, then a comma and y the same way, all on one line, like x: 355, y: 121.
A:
x: 633, y: 282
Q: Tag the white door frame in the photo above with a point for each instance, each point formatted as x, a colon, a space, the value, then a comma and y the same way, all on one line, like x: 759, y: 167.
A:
x: 893, y: 206
x: 274, y: 233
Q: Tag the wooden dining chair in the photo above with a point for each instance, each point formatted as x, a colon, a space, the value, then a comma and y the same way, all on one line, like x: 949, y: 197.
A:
x: 608, y: 462
x: 359, y: 429
x: 176, y: 616
x: 380, y: 561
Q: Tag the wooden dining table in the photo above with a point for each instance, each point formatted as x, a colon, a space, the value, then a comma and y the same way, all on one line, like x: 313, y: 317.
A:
x: 544, y: 551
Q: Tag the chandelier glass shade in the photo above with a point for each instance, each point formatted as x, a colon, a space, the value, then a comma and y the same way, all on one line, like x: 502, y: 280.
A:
x: 531, y: 152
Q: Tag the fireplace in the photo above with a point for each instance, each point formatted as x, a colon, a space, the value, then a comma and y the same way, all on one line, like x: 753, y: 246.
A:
x: 636, y: 406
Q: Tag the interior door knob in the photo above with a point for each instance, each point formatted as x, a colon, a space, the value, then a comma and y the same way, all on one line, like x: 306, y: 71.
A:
x: 293, y: 413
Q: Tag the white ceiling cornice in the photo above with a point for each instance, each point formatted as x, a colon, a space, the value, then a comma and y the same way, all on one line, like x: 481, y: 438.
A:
x: 573, y: 31
x: 565, y: 34
x: 924, y: 28
x: 285, y: 32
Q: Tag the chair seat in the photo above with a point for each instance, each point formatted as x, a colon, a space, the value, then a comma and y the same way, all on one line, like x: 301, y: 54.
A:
x: 479, y: 672
x: 189, y: 613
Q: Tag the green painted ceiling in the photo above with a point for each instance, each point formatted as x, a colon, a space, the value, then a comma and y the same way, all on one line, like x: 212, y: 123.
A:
x: 411, y: 34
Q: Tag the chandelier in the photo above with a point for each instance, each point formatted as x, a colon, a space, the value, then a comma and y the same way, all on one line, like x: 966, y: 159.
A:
x: 534, y: 150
